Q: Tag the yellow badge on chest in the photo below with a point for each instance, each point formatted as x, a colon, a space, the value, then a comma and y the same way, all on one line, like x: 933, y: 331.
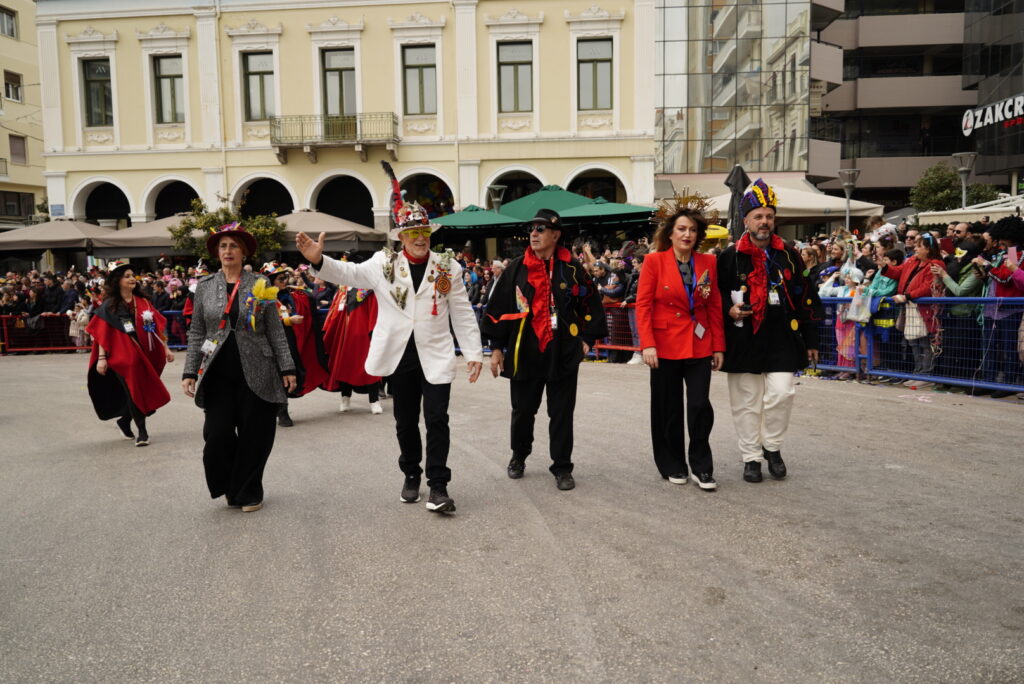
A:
x: 794, y: 324
x: 573, y: 330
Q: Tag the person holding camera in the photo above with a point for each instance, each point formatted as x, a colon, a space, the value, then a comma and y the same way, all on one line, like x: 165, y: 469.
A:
x: 679, y: 318
x: 774, y: 312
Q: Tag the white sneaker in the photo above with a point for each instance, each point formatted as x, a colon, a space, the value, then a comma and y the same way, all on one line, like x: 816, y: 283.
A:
x: 375, y: 408
x: 637, y: 359
x: 346, y: 405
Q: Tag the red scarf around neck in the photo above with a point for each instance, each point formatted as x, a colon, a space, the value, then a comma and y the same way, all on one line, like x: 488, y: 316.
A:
x: 539, y: 276
x: 757, y: 279
x: 414, y: 260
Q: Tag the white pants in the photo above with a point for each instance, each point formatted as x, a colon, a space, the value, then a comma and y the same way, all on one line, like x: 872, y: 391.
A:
x: 761, y: 405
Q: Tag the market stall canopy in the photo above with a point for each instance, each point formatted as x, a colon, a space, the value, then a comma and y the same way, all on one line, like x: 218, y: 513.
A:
x: 54, y: 235
x: 797, y: 206
x: 152, y: 238
x: 478, y: 217
x: 549, y: 197
x: 1007, y: 205
x: 341, y: 234
x: 602, y: 212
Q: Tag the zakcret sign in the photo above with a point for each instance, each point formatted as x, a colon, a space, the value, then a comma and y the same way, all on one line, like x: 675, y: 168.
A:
x: 1010, y: 109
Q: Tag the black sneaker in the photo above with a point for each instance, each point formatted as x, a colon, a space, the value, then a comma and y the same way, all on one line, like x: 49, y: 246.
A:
x: 124, y: 424
x: 411, y: 490
x: 678, y: 478
x: 439, y: 501
x: 564, y: 481
x: 143, y: 440
x: 516, y: 468
x: 705, y: 481
x: 752, y: 471
x: 776, y: 468
x: 283, y: 419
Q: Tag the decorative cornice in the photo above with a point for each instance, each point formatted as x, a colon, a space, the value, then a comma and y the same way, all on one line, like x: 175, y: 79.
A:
x: 516, y: 124
x: 254, y: 28
x: 595, y: 14
x: 90, y: 36
x: 335, y: 25
x: 512, y: 18
x: 595, y: 123
x: 162, y: 31
x: 417, y: 21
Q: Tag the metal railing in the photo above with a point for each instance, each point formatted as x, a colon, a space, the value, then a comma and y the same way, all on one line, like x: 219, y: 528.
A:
x: 374, y: 127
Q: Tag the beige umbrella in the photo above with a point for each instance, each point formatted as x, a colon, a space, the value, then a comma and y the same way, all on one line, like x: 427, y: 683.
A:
x: 65, y: 234
x: 340, y: 233
x: 796, y: 205
x: 151, y: 238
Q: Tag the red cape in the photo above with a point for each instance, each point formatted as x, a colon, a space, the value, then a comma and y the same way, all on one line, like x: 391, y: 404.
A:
x: 138, y: 363
x: 347, y: 339
x: 306, y: 344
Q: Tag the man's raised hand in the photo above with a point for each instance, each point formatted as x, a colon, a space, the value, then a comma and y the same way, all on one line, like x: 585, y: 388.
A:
x: 312, y: 251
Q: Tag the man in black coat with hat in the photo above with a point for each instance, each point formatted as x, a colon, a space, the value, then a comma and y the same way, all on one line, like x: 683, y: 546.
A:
x: 542, y: 317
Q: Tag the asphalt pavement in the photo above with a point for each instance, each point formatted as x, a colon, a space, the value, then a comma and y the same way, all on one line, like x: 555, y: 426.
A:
x: 892, y: 553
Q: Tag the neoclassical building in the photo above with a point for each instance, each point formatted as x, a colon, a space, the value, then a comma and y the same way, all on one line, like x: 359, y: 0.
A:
x: 291, y: 104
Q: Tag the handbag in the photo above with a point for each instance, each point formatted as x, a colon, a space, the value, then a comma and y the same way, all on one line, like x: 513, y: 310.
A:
x: 914, y: 326
x: 859, y: 310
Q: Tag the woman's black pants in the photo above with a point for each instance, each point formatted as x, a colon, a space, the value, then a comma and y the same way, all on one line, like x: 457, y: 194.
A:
x: 668, y: 381
x: 239, y: 433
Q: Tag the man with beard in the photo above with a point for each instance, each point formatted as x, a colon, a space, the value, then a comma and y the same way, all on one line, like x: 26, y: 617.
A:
x: 771, y: 331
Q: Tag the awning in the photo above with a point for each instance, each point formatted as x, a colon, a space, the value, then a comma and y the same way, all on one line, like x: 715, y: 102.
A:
x: 478, y: 217
x: 549, y: 197
x: 54, y: 235
x: 802, y: 206
x: 1007, y: 205
x: 340, y: 234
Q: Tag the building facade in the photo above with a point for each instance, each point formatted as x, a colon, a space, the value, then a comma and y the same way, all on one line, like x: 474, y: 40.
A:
x: 148, y: 104
x: 903, y: 95
x: 21, y: 132
x: 741, y: 83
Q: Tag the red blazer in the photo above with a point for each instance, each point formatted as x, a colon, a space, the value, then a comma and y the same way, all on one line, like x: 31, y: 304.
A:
x: 663, y: 316
x: 914, y: 283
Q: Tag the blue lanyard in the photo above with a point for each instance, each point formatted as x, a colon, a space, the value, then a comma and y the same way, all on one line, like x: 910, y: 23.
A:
x: 689, y: 286
x: 769, y: 263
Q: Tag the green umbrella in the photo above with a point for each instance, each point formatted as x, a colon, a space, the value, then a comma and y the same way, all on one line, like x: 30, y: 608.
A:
x: 477, y: 217
x: 549, y: 197
x: 601, y: 210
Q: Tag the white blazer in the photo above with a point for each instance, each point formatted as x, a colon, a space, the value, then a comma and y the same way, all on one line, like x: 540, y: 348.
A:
x: 395, y: 322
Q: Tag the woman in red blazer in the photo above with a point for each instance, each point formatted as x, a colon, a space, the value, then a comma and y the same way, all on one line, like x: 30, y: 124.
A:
x: 679, y: 319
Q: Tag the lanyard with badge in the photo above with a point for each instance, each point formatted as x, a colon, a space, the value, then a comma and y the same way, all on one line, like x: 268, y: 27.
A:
x: 773, y: 285
x: 209, y: 345
x: 551, y: 296
x: 690, y: 286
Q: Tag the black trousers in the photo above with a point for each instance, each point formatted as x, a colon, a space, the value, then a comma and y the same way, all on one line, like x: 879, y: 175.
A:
x: 667, y: 386
x: 373, y: 390
x: 526, y: 396
x: 239, y: 432
x: 410, y: 390
x: 131, y: 411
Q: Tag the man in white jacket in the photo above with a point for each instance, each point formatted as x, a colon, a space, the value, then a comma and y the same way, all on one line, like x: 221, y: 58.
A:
x: 418, y: 293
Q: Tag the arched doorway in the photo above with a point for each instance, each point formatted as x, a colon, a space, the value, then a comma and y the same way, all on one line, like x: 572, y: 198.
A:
x: 517, y: 184
x: 265, y: 196
x: 106, y: 203
x: 432, y: 193
x: 598, y: 183
x: 175, y: 197
x: 347, y: 198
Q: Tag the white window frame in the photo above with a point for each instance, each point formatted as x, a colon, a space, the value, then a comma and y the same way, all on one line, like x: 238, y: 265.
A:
x: 253, y: 37
x: 93, y: 44
x: 589, y: 24
x: 163, y: 41
x: 21, y: 87
x: 17, y: 25
x: 515, y: 27
x: 335, y: 34
x: 419, y: 30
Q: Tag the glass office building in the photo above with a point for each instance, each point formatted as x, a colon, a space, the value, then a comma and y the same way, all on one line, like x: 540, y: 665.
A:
x: 733, y: 85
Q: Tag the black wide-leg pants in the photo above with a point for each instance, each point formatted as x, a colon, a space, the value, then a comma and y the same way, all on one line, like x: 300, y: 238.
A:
x: 410, y: 390
x: 526, y: 397
x: 668, y: 382
x: 239, y: 431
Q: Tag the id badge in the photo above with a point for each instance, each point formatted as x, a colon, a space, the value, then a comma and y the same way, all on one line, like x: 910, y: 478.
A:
x: 129, y: 327
x: 773, y: 298
x: 554, y: 320
x: 699, y: 331
x: 208, y: 346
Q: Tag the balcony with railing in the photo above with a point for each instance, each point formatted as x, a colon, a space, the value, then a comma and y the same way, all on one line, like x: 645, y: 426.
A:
x: 313, y: 132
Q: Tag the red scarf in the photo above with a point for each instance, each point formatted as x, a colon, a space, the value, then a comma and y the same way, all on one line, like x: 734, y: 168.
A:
x: 757, y: 279
x: 414, y: 260
x: 539, y: 276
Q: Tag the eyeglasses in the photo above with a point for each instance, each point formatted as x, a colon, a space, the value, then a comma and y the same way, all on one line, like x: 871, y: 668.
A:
x: 417, y: 232
x: 539, y: 229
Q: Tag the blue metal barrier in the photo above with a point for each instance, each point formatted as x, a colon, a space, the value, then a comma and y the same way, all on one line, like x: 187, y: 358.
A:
x: 962, y: 341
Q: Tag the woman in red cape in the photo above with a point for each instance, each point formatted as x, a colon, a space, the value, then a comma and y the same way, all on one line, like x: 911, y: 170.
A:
x: 347, y: 330
x: 129, y: 350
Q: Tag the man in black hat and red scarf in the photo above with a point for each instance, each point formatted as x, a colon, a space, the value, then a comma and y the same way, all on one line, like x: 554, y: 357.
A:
x: 542, y: 318
x: 771, y: 331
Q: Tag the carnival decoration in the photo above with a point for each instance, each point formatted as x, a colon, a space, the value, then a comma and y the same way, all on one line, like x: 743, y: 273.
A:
x: 261, y: 294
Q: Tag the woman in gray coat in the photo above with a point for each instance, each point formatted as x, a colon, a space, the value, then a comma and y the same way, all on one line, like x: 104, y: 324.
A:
x: 238, y: 369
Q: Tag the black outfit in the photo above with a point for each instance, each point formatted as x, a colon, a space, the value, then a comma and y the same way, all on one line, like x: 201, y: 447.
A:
x: 667, y: 434
x: 131, y: 411
x: 788, y: 330
x: 161, y: 302
x: 239, y: 429
x: 51, y: 298
x: 532, y: 372
x: 409, y: 390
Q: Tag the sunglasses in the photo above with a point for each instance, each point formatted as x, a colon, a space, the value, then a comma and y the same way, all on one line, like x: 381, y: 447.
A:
x: 538, y: 228
x: 417, y: 232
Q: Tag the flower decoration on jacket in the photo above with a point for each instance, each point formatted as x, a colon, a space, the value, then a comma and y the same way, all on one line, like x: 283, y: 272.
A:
x: 261, y: 295
x: 149, y: 325
x: 443, y: 279
x: 704, y: 285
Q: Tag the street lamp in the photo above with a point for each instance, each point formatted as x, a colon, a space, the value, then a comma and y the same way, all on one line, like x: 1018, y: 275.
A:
x: 964, y: 164
x: 849, y: 179
x: 495, y: 193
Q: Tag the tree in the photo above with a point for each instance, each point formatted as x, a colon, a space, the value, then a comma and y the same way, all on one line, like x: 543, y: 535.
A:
x: 190, y: 235
x: 939, y: 190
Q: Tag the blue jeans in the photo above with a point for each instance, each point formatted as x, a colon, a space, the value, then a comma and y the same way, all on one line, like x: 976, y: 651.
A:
x: 999, y: 350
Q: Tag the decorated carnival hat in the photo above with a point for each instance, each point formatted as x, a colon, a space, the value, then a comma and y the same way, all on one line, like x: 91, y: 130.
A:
x: 406, y: 215
x: 272, y: 269
x: 201, y: 269
x: 116, y: 269
x: 235, y: 230
x: 758, y: 194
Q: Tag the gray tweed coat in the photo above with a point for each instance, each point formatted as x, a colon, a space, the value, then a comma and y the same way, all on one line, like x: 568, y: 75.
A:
x: 264, y: 352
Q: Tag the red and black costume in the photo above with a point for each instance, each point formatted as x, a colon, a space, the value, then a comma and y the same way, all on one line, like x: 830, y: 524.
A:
x: 305, y: 340
x: 134, y: 360
x: 347, y: 331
